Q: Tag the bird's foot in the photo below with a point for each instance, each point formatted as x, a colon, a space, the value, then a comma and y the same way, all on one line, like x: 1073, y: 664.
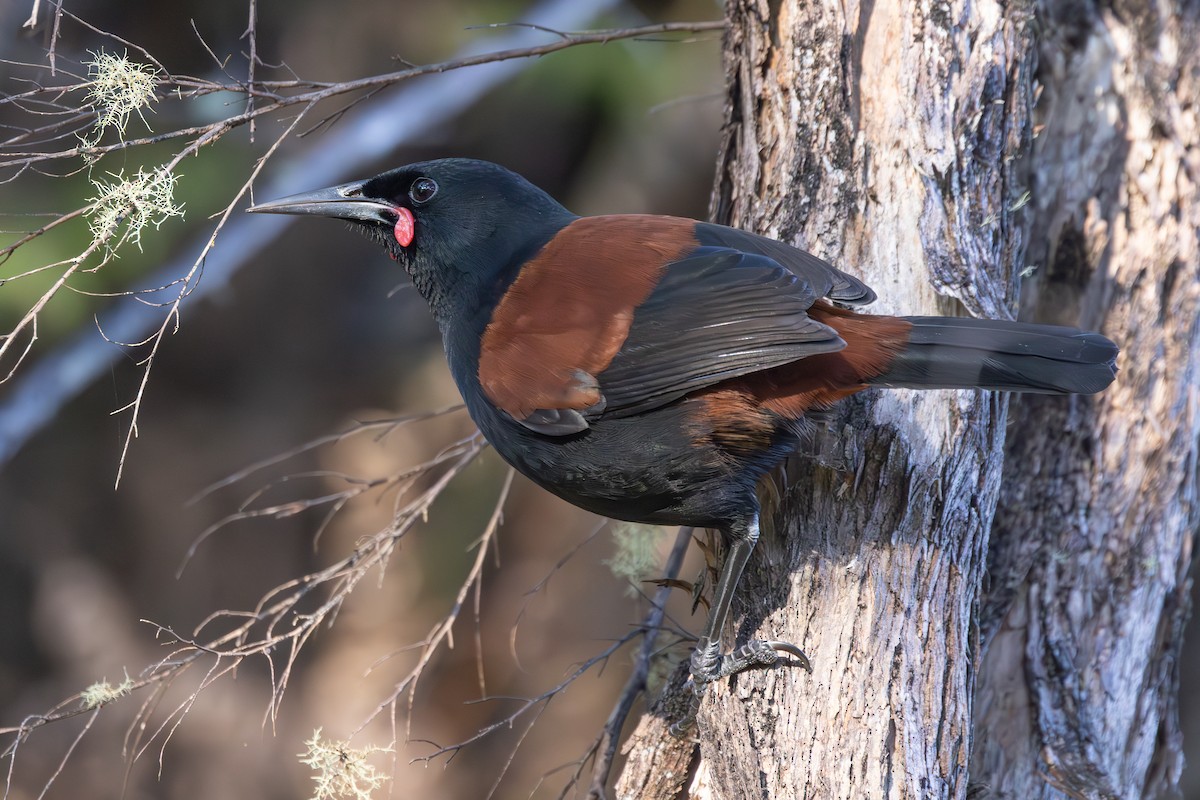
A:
x: 709, y: 665
x: 755, y: 653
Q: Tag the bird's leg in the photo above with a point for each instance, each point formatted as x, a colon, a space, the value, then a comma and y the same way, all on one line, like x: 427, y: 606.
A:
x: 708, y: 664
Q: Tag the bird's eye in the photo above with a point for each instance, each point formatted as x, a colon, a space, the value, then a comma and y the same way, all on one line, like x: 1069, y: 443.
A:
x: 423, y: 190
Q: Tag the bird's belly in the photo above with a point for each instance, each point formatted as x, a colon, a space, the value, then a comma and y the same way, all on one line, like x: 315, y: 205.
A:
x: 648, y: 468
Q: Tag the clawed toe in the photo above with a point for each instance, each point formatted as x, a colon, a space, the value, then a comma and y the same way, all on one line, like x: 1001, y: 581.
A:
x: 708, y: 665
x: 759, y: 653
x: 791, y: 650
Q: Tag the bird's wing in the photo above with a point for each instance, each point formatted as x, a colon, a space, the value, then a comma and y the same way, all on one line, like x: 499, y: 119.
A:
x: 619, y: 315
x: 827, y: 280
x: 714, y: 315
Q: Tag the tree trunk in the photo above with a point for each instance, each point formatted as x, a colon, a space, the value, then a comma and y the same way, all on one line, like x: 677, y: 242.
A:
x: 898, y: 141
x: 1093, y: 536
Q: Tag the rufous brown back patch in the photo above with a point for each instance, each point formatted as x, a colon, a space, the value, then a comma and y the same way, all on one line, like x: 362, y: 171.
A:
x: 570, y: 309
x: 730, y: 417
x: 872, y: 342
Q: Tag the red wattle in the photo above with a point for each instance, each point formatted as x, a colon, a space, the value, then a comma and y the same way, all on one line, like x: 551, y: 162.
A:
x: 405, y: 227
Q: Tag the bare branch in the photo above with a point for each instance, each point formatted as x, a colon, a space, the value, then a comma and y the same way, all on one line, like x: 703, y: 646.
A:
x: 386, y: 426
x: 537, y: 587
x: 527, y: 704
x: 441, y: 632
x: 276, y: 629
x: 52, y: 48
x: 146, y: 54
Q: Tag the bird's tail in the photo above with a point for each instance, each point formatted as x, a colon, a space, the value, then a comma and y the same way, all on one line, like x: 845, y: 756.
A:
x: 965, y: 353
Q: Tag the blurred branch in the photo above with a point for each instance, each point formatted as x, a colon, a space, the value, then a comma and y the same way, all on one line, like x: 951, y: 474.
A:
x: 606, y: 745
x: 541, y: 584
x: 384, y: 426
x: 33, y: 15
x: 335, y: 501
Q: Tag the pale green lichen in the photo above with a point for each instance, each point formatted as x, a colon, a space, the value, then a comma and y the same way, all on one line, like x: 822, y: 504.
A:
x: 102, y: 693
x: 341, y: 771
x: 124, y: 206
x: 636, y: 556
x: 117, y: 87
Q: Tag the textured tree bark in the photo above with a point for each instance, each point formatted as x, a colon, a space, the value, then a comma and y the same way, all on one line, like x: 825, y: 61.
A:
x: 897, y: 140
x: 883, y: 137
x: 1093, y: 536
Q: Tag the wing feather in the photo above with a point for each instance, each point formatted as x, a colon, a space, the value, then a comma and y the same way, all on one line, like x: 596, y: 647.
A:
x: 715, y: 315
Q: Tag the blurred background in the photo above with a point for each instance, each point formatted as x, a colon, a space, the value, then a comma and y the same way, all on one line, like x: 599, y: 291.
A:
x: 318, y: 331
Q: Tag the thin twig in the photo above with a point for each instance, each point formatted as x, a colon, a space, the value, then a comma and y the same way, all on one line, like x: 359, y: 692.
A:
x: 252, y: 65
x: 62, y: 762
x: 537, y: 587
x: 52, y: 48
x: 146, y: 54
x: 387, y: 425
x: 528, y: 703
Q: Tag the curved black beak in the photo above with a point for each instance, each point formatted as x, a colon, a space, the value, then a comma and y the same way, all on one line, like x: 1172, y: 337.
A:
x: 340, y: 202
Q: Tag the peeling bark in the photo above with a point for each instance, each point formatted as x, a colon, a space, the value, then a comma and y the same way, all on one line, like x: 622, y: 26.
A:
x: 898, y: 141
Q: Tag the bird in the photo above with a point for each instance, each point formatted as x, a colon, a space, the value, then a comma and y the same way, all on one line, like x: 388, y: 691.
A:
x: 653, y: 368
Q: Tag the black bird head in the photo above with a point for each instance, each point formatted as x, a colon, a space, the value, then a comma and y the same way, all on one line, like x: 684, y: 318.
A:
x: 459, y: 227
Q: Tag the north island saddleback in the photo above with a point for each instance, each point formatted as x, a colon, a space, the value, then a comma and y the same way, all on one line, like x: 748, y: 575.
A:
x: 652, y: 368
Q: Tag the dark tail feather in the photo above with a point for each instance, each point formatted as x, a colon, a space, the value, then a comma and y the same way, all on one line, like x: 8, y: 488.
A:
x: 966, y: 353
